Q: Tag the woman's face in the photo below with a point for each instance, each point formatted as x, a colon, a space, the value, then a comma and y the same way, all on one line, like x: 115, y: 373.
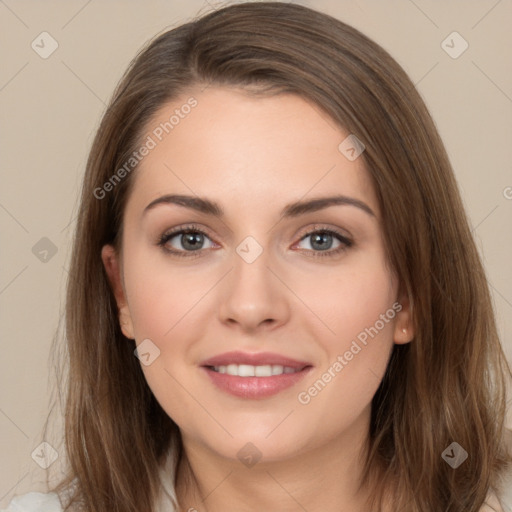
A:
x: 289, y: 284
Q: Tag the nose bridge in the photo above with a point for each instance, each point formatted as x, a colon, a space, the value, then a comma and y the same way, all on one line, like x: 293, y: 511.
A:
x: 251, y: 265
x: 252, y: 294
x: 251, y: 278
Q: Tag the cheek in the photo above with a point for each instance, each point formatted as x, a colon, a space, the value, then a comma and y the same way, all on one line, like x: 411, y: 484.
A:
x: 357, y: 306
x: 350, y: 298
x: 160, y: 292
x: 164, y: 301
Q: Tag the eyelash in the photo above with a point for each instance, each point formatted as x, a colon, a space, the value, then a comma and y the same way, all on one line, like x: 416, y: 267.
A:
x: 346, y: 242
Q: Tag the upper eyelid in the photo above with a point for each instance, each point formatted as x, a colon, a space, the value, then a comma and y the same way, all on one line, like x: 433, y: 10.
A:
x: 197, y: 227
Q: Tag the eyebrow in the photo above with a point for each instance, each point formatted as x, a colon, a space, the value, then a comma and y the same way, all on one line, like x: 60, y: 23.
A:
x: 208, y: 207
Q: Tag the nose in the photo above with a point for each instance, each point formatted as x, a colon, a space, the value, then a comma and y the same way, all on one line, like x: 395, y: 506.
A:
x: 254, y: 295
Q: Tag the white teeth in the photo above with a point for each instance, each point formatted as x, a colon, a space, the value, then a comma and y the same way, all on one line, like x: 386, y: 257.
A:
x: 232, y: 369
x: 277, y: 369
x: 263, y: 371
x: 247, y: 370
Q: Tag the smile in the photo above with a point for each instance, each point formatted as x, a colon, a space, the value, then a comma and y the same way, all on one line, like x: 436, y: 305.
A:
x: 248, y: 370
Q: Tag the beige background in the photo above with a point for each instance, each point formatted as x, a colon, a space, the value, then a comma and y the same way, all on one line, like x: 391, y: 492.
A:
x: 51, y: 107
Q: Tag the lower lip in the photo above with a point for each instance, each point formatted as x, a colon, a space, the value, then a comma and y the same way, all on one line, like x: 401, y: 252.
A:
x: 255, y: 387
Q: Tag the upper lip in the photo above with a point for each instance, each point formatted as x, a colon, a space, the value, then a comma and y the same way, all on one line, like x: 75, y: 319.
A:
x: 254, y: 359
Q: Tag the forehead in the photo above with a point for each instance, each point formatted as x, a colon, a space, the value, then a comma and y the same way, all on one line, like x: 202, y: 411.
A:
x: 226, y: 144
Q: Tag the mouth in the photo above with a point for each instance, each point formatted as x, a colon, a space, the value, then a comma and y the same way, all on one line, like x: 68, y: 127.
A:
x: 254, y: 376
x: 247, y: 370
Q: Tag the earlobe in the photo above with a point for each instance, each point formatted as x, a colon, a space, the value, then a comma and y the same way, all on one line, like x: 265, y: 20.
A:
x: 113, y: 269
x: 404, y: 326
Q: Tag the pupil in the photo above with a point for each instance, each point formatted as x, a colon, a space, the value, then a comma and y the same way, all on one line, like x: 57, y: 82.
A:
x: 322, y: 239
x: 192, y: 240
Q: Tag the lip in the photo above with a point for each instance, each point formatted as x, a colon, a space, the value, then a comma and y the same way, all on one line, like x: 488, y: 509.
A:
x: 254, y: 359
x: 254, y: 387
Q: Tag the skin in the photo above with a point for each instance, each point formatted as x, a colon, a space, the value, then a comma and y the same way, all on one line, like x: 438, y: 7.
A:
x: 253, y: 156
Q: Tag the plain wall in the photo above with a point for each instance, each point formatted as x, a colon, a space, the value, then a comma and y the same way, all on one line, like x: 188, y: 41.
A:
x: 51, y: 108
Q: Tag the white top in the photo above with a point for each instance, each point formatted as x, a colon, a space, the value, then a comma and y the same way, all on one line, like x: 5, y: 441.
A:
x: 40, y: 502
x: 50, y: 502
x: 35, y: 502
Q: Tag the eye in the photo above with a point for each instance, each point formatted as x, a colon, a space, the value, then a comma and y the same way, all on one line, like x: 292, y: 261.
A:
x: 188, y: 239
x: 321, y: 241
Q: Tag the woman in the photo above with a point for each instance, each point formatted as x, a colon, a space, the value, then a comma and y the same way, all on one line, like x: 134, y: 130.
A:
x: 333, y: 350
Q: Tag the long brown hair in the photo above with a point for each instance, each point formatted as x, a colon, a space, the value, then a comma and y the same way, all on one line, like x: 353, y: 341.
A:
x: 447, y: 385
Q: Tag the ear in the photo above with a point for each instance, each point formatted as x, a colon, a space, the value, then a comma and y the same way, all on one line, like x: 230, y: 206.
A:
x: 404, y: 328
x: 112, y: 266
